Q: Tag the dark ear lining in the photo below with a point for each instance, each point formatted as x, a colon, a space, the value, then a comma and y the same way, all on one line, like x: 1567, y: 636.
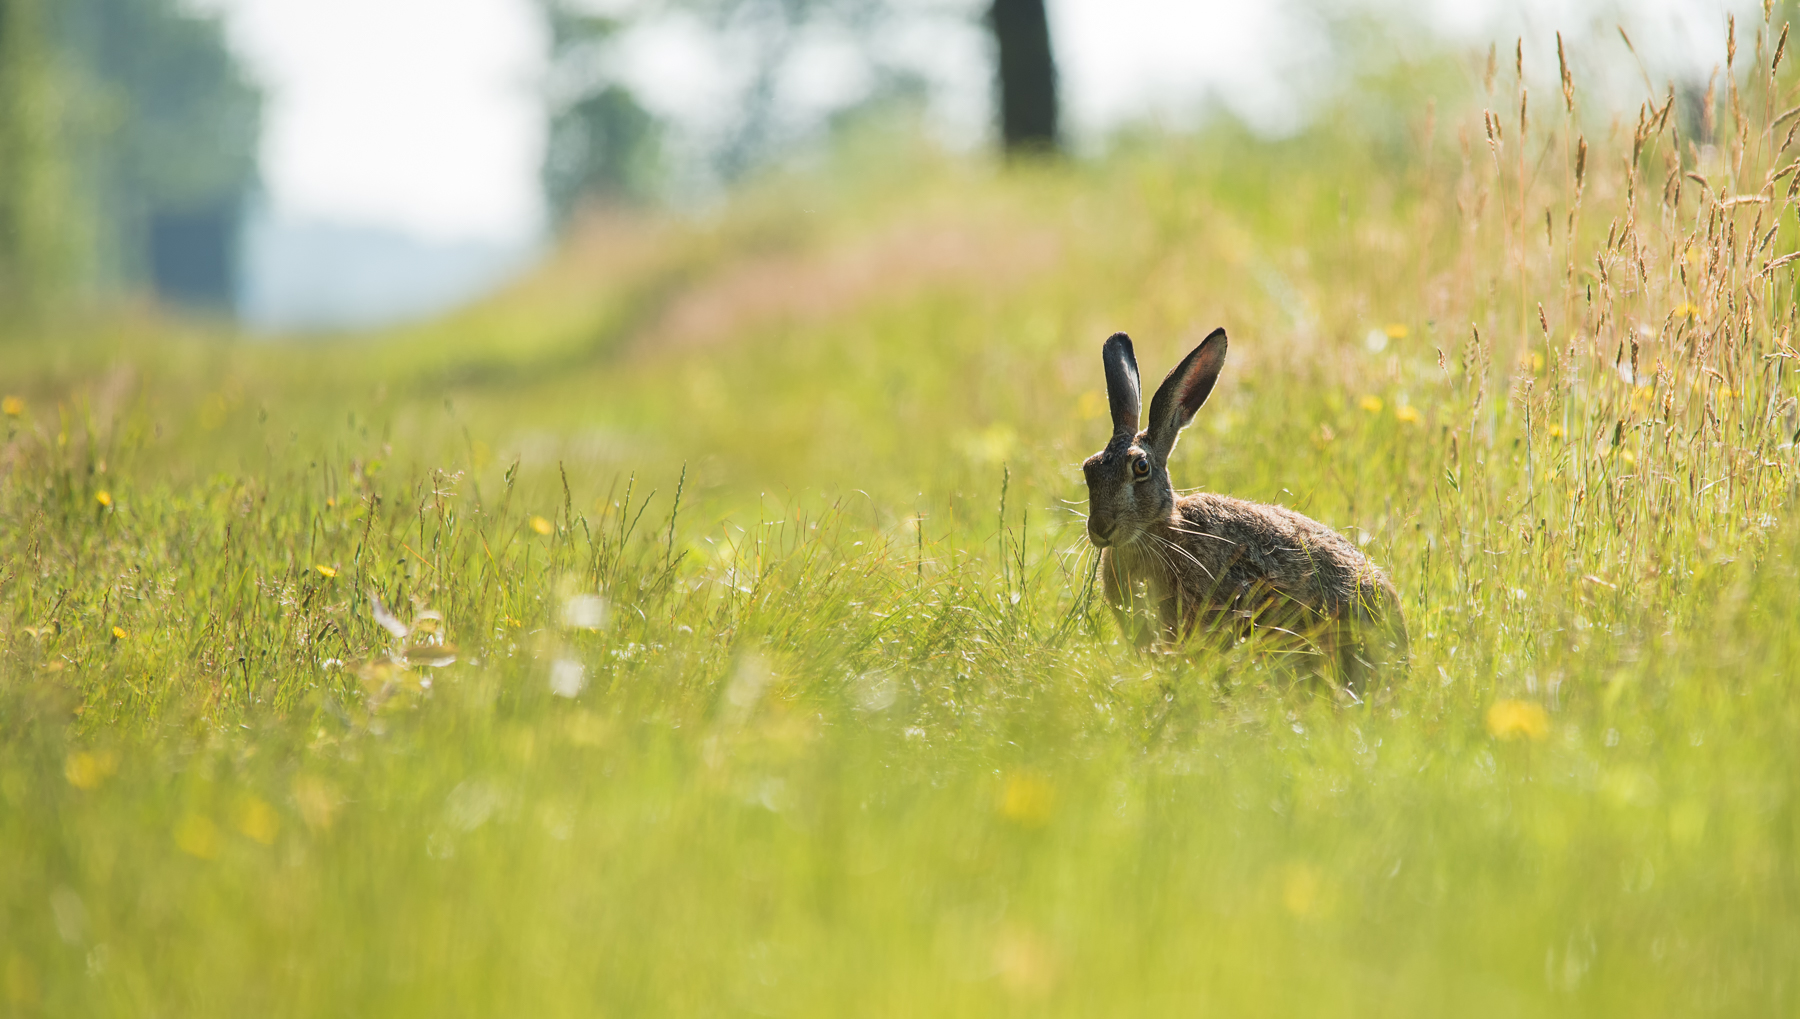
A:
x: 1184, y: 391
x: 1121, y: 383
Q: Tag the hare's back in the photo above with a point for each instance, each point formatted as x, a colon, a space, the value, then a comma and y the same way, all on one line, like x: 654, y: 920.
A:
x: 1290, y: 551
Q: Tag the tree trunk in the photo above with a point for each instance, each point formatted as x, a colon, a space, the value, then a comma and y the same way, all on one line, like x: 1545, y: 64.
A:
x: 1027, y: 76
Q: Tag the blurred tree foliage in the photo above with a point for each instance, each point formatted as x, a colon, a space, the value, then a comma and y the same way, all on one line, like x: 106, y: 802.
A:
x: 129, y: 148
x: 604, y: 146
x: 164, y: 142
x: 34, y: 254
x: 768, y: 33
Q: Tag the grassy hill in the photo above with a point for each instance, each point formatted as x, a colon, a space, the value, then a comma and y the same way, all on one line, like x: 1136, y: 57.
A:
x: 706, y: 625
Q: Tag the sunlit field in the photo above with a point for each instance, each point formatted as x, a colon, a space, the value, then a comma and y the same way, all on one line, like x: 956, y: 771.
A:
x: 706, y: 625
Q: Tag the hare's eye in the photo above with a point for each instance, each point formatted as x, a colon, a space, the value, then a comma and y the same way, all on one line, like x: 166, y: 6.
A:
x: 1140, y: 468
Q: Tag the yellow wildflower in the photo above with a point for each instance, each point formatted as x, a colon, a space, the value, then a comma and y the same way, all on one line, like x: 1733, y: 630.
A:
x: 325, y: 571
x: 119, y: 633
x: 1408, y: 415
x: 12, y: 406
x: 540, y: 525
x: 1027, y: 799
x: 1372, y: 404
x: 103, y: 497
x: 1508, y: 719
x: 1396, y: 331
x: 1301, y: 885
x: 197, y: 836
x: 1556, y: 431
x: 86, y: 770
x: 258, y: 820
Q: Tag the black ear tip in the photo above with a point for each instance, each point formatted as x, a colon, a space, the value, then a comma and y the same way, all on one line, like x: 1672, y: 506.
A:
x: 1216, y: 336
x: 1116, y: 340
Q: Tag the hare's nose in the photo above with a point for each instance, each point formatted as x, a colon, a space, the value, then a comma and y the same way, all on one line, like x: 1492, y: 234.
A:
x: 1101, y: 529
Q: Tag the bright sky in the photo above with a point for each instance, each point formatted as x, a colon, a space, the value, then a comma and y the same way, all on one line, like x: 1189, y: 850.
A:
x: 423, y: 115
x: 416, y: 114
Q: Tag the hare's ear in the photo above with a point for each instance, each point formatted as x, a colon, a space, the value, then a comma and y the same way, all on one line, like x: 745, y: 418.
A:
x: 1182, y: 393
x: 1121, y: 383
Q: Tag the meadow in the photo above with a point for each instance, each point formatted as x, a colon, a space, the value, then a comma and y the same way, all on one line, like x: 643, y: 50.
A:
x: 705, y: 625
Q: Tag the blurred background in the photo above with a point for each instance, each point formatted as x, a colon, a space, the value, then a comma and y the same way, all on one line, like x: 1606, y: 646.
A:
x: 324, y: 165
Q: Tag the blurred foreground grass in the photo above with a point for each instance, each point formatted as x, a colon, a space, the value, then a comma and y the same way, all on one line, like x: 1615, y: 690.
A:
x: 735, y: 656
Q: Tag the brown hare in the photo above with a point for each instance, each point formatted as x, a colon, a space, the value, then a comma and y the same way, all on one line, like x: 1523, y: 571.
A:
x: 1217, y: 564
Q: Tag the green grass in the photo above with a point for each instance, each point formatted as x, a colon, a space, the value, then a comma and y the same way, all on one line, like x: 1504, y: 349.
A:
x: 852, y: 736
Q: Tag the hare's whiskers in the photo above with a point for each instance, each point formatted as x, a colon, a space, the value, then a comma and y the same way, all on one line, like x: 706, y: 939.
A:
x: 1189, y: 556
x: 1202, y: 534
x: 1168, y: 564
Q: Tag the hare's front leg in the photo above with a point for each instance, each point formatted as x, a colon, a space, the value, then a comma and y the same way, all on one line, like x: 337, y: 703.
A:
x: 1122, y: 595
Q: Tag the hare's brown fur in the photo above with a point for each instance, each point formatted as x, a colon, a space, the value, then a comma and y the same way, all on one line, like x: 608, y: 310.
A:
x: 1212, y: 563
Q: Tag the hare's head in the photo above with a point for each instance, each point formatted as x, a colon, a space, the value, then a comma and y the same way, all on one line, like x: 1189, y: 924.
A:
x: 1128, y: 481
